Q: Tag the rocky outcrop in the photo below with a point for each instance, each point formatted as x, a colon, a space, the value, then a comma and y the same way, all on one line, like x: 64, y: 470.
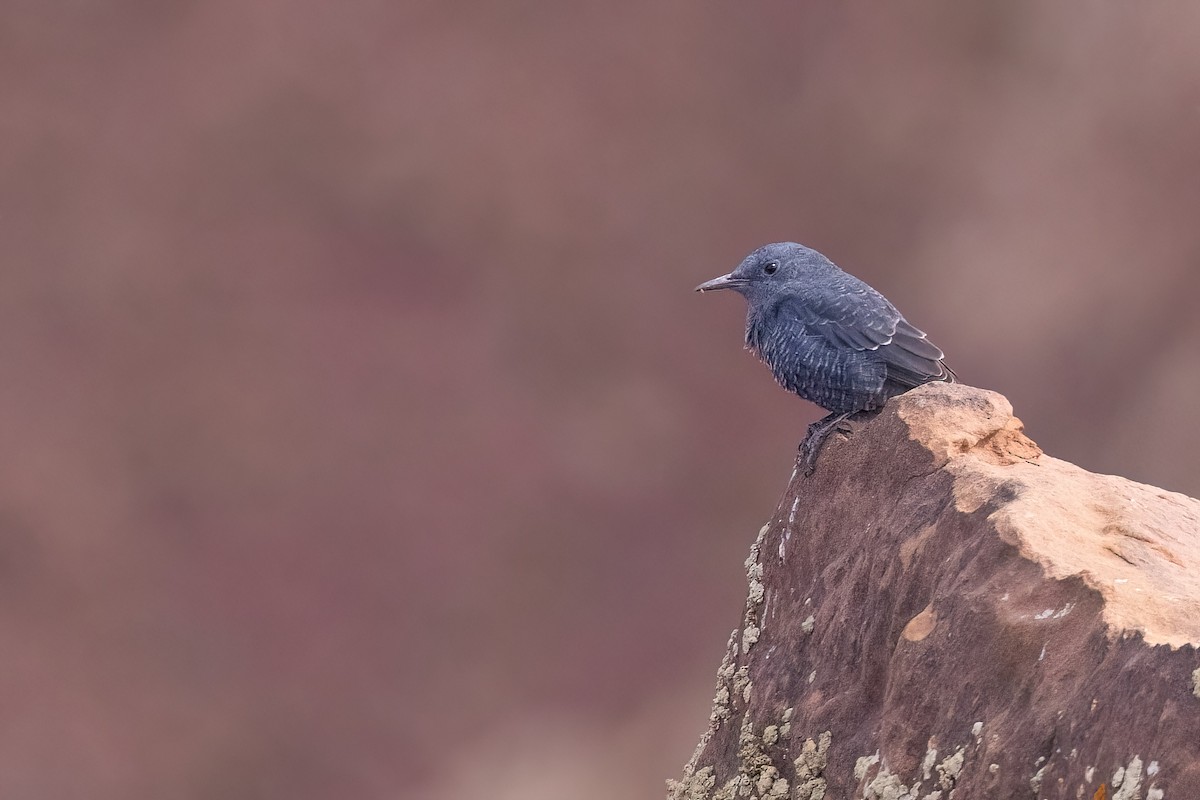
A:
x: 941, y: 611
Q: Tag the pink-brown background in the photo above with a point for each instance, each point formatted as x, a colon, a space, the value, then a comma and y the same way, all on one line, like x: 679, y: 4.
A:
x: 362, y: 436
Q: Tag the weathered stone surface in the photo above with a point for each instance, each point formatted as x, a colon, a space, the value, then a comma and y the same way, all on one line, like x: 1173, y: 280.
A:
x: 942, y: 611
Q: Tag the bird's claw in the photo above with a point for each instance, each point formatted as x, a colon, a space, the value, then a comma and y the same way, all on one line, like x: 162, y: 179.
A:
x: 818, y: 432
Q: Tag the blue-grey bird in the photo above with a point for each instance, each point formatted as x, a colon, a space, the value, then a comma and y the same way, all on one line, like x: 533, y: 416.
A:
x: 827, y: 336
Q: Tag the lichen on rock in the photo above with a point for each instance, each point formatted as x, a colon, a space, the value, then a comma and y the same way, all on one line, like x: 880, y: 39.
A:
x: 810, y: 768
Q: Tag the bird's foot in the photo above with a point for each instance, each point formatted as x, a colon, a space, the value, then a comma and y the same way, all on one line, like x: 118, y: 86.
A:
x: 818, y: 432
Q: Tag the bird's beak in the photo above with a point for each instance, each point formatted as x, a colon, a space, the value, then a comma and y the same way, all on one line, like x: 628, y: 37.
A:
x: 723, y: 282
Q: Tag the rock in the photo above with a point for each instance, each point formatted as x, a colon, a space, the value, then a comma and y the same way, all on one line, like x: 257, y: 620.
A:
x: 943, y: 611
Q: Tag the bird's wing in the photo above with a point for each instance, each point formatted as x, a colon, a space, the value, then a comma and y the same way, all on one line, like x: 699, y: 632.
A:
x: 859, y: 318
x: 912, y: 359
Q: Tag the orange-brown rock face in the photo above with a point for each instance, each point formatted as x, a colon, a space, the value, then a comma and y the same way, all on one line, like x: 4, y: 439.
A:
x: 942, y: 611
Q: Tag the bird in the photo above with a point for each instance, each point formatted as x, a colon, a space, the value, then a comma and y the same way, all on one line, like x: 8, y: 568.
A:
x: 828, y: 337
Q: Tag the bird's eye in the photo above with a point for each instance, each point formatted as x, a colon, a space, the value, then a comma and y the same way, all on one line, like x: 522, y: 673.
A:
x: 770, y: 267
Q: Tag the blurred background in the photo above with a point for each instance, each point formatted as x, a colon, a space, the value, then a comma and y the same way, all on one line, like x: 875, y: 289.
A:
x: 362, y: 434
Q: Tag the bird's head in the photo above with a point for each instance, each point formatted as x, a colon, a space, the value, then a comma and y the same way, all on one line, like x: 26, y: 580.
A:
x: 769, y: 270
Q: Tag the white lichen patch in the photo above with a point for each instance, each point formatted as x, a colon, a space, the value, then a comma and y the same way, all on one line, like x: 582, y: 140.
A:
x: 754, y: 569
x: 930, y: 760
x: 810, y: 769
x: 1196, y: 682
x: 766, y: 780
x: 807, y: 626
x: 754, y: 575
x: 755, y: 594
x: 756, y: 772
x: 720, y: 709
x: 977, y: 732
x: 720, y: 706
x: 949, y: 770
x: 770, y: 735
x: 757, y: 591
x: 863, y: 765
x: 741, y: 682
x: 1154, y: 793
x: 757, y: 775
x: 1035, y: 782
x: 749, y: 637
x: 725, y: 671
x: 886, y: 785
x: 1089, y: 773
x: 694, y: 786
x: 1129, y: 786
